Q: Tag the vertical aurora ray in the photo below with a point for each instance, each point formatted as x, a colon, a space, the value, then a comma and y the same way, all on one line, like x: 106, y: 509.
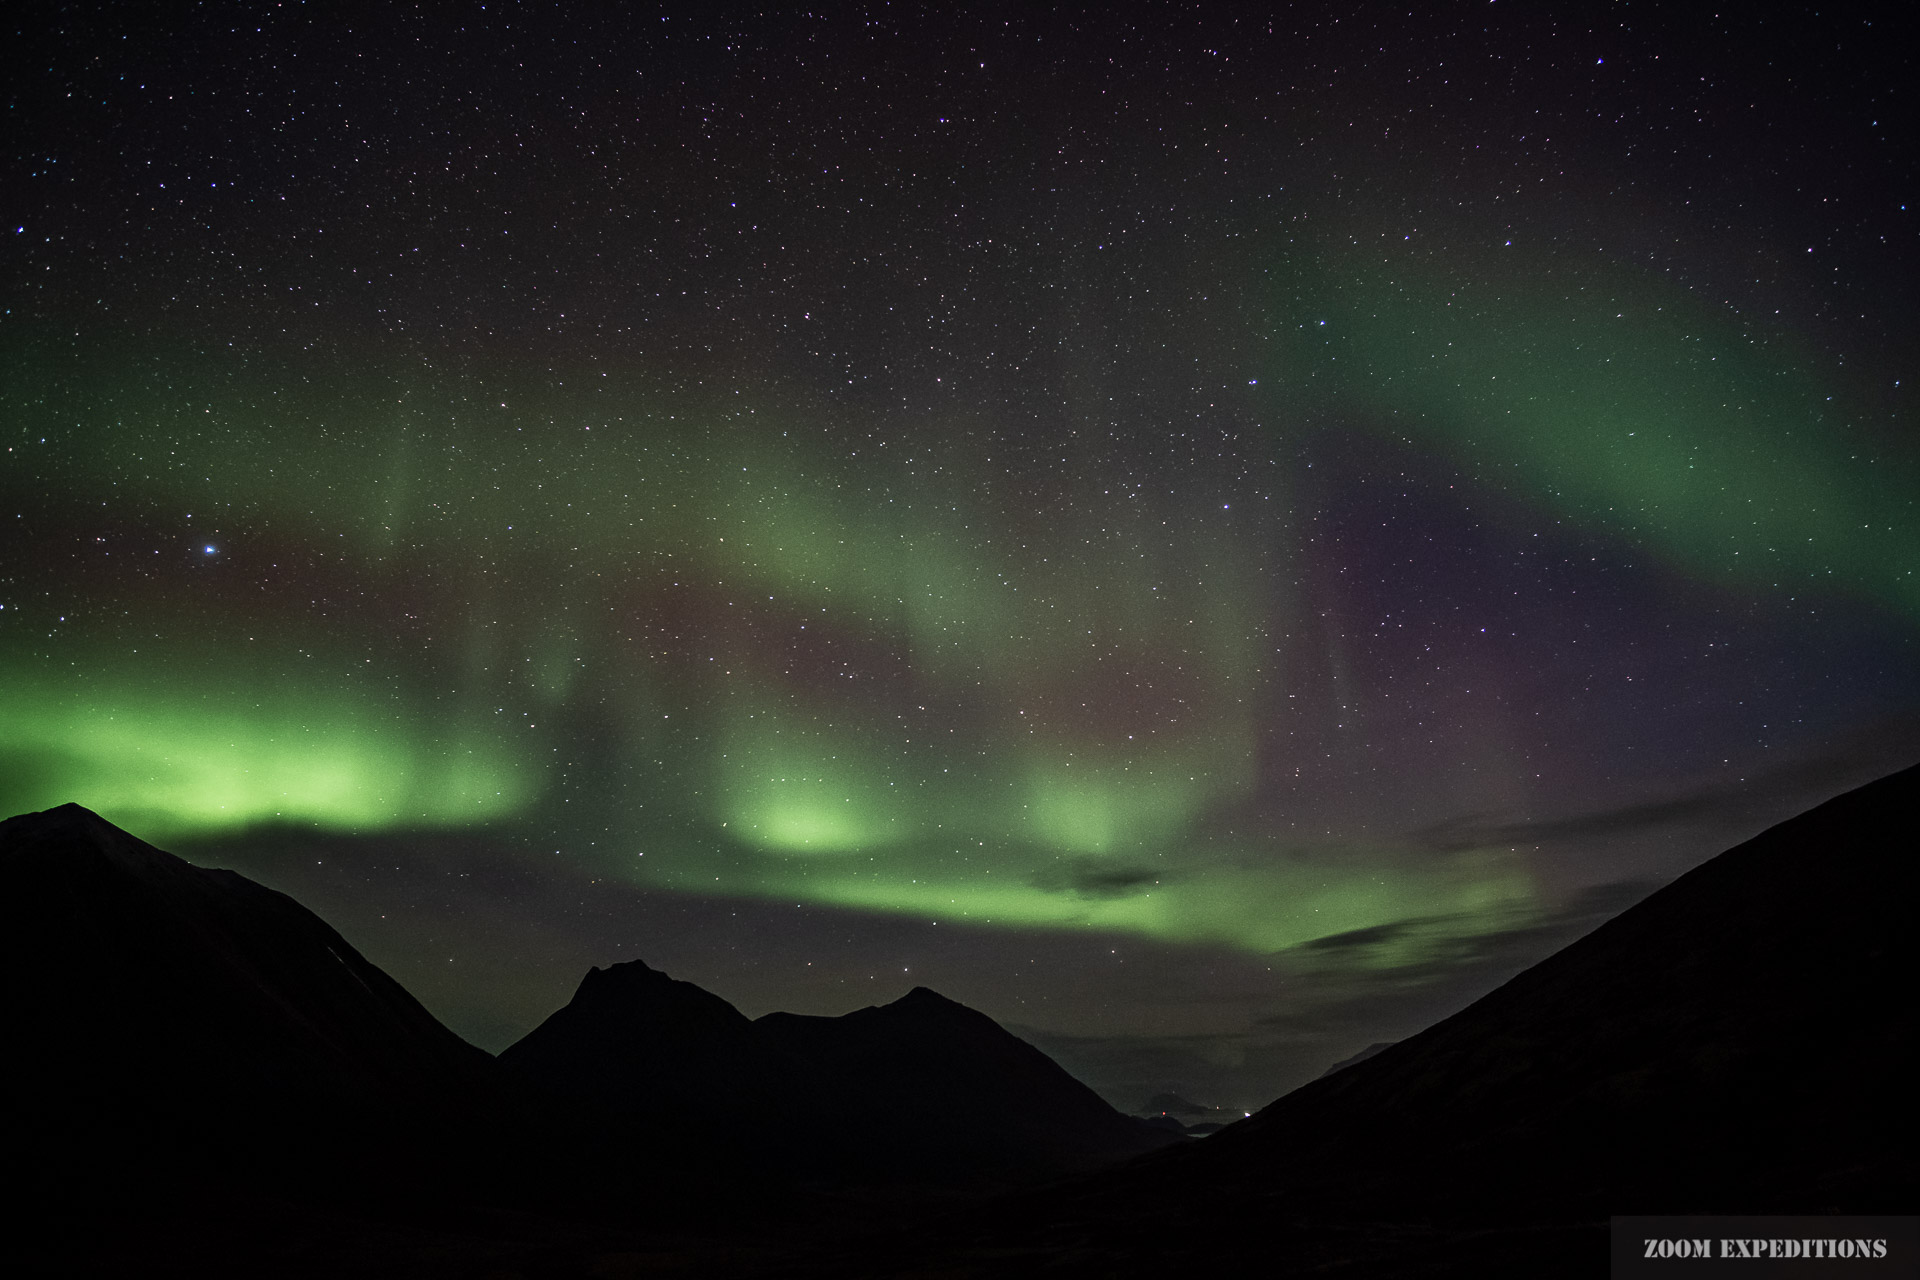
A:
x: 891, y: 692
x: 1275, y: 524
x: 846, y: 662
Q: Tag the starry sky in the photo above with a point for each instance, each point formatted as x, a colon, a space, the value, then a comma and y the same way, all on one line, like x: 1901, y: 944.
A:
x: 1214, y: 540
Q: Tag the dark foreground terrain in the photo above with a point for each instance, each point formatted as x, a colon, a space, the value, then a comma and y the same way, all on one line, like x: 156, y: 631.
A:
x: 208, y: 1080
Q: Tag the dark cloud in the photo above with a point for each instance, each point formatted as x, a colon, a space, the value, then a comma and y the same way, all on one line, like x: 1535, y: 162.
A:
x: 1477, y: 831
x: 1756, y: 801
x: 1353, y: 938
x: 1337, y: 995
x: 1092, y: 878
x: 1402, y: 977
x: 1443, y: 945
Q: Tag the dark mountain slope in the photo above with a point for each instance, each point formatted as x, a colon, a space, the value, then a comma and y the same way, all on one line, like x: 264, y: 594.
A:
x: 1740, y: 1042
x: 163, y: 1017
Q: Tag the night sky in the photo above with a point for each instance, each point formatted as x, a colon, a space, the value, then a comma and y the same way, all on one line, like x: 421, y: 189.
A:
x: 1212, y: 541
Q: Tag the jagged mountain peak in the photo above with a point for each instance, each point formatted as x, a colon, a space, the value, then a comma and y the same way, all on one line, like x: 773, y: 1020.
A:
x: 634, y: 987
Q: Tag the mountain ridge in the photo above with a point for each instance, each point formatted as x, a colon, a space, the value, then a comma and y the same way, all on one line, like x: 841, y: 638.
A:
x: 922, y: 1088
x: 1740, y: 1041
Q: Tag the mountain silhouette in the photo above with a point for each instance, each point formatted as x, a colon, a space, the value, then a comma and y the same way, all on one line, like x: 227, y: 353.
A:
x: 1175, y: 1114
x: 1172, y: 1104
x: 1740, y: 1042
x: 642, y: 1077
x: 928, y: 1080
x: 635, y: 1036
x: 922, y: 1090
x: 173, y: 1025
x: 186, y: 1027
x: 207, y: 1080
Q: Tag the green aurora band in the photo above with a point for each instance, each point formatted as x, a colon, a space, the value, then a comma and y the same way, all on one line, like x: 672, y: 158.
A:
x: 1615, y: 401
x: 877, y: 682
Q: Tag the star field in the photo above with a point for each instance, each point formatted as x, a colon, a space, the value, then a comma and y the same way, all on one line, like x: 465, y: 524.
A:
x: 1211, y: 540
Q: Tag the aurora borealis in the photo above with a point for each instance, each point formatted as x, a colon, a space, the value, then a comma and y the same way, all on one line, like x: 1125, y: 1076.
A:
x: 1213, y: 544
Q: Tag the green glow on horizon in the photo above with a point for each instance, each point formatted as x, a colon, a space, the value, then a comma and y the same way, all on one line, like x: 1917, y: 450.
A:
x: 1074, y: 693
x: 891, y: 692
x: 1144, y: 800
x: 221, y: 759
x: 1259, y: 906
x: 808, y: 790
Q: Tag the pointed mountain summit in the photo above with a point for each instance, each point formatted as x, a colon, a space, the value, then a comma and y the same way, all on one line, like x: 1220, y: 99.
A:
x: 165, y: 1015
x: 1740, y: 1042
